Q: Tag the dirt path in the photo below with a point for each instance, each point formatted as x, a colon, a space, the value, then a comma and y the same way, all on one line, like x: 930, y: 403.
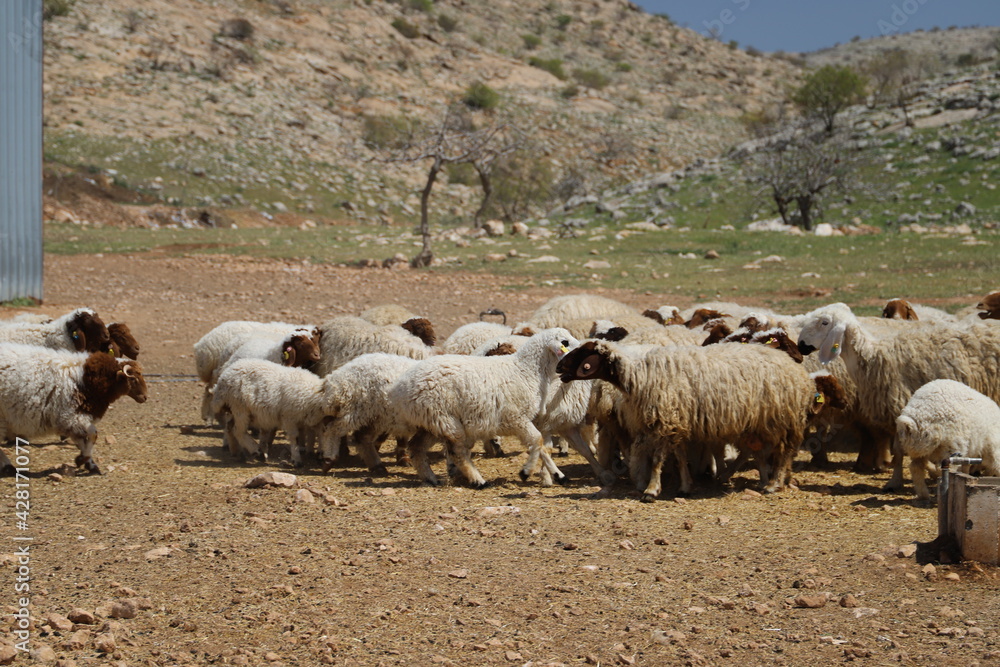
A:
x: 386, y: 571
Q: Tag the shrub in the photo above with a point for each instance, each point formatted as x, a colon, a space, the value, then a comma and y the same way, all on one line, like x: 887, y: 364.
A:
x: 623, y: 67
x: 447, y: 23
x: 521, y: 183
x: 967, y: 59
x: 733, y: 45
x: 388, y: 132
x: 553, y: 66
x: 591, y: 78
x: 563, y: 21
x: 481, y: 96
x: 405, y: 28
x: 461, y: 173
x: 531, y: 41
x: 240, y: 29
x: 53, y: 8
x: 755, y: 52
x: 570, y: 91
x: 828, y: 91
x: 421, y: 5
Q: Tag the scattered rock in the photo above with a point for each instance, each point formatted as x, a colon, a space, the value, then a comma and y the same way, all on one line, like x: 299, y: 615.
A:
x: 128, y: 608
x: 712, y: 254
x: 849, y: 601
x: 810, y: 601
x: 544, y: 259
x: 81, y: 617
x: 929, y: 572
x: 667, y: 637
x: 459, y: 574
x: 78, y: 641
x: 58, y: 622
x: 42, y: 653
x: 907, y: 551
x: 494, y: 257
x: 55, y: 477
x: 304, y: 496
x: 7, y: 653
x: 280, y: 479
x: 952, y: 576
x: 494, y: 228
x: 519, y: 229
x: 158, y: 552
x: 597, y: 264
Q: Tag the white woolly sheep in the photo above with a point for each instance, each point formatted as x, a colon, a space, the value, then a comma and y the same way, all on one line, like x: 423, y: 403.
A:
x: 890, y: 364
x: 461, y: 399
x: 558, y: 311
x: 269, y: 396
x: 675, y: 395
x: 344, y: 338
x: 47, y: 392
x: 466, y: 338
x: 945, y: 417
x: 32, y: 318
x: 80, y: 330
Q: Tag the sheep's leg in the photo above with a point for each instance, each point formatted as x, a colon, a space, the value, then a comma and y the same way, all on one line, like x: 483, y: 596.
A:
x: 653, y: 488
x: 86, y: 445
x: 638, y: 465
x: 417, y: 450
x: 265, y: 439
x: 918, y: 472
x: 550, y: 471
x: 531, y: 465
x: 461, y: 455
x: 493, y: 449
x: 295, y: 443
x: 206, y: 406
x: 604, y: 476
x: 559, y: 444
x: 895, y: 482
x: 681, y: 452
x: 241, y: 424
x: 365, y: 440
x: 783, y: 456
x: 402, y: 457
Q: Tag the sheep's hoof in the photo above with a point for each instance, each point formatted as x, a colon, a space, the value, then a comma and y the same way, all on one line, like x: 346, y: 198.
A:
x: 605, y: 492
x: 327, y: 465
x: 379, y: 471
x: 562, y: 479
x: 682, y: 494
x: 432, y: 482
x: 892, y: 486
x: 771, y: 488
x: 479, y: 486
x: 523, y: 475
x: 647, y: 498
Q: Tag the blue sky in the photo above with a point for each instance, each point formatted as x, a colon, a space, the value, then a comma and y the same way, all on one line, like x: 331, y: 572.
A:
x: 807, y: 25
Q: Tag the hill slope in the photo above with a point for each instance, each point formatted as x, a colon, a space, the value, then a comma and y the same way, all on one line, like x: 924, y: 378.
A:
x: 154, y: 92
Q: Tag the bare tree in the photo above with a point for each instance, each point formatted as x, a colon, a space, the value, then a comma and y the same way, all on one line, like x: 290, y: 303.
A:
x: 796, y: 172
x: 896, y: 75
x: 455, y: 140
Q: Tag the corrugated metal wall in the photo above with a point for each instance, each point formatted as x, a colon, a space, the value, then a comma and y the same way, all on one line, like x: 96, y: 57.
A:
x: 20, y: 149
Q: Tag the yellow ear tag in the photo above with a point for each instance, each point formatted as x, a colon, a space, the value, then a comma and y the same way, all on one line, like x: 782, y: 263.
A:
x: 284, y: 355
x: 836, y: 346
x: 563, y: 349
x: 771, y: 341
x: 820, y: 398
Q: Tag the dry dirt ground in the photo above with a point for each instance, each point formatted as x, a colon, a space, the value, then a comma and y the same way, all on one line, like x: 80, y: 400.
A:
x: 387, y: 571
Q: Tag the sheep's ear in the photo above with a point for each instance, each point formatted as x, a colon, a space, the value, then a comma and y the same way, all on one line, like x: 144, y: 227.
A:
x: 653, y: 315
x: 832, y: 344
x: 613, y: 334
x: 79, y: 339
x: 911, y: 314
x: 905, y: 426
x: 288, y: 356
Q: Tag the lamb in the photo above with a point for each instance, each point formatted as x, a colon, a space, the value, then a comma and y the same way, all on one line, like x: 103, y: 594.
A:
x: 468, y: 337
x: 344, y: 338
x: 562, y: 309
x: 270, y: 396
x: 392, y: 314
x: 56, y: 392
x: 675, y: 395
x: 80, y: 330
x: 123, y: 343
x: 888, y: 365
x: 463, y: 399
x: 945, y: 417
x: 665, y: 315
x: 214, y: 349
x: 357, y: 401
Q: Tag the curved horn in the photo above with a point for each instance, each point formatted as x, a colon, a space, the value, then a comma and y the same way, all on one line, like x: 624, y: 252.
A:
x: 127, y: 370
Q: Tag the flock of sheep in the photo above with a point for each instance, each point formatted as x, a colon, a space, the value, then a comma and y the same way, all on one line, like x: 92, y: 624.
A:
x: 648, y: 394
x: 59, y: 376
x: 705, y: 391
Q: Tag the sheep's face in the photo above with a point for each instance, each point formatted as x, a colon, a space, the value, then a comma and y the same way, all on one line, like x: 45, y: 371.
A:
x: 422, y: 329
x: 829, y: 394
x: 605, y: 330
x: 824, y: 331
x: 131, y: 374
x: 88, y: 333
x: 300, y: 351
x: 665, y: 315
x: 899, y: 309
x: 701, y: 316
x: 587, y: 362
x: 991, y: 304
x: 122, y: 340
x: 501, y: 350
x: 754, y: 323
x: 778, y: 339
x: 559, y: 342
x: 718, y: 333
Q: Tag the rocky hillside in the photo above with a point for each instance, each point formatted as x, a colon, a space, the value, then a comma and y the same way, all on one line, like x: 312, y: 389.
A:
x: 267, y: 104
x: 947, y: 46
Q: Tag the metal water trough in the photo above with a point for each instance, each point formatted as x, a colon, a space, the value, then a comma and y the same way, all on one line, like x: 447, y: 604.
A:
x: 969, y: 511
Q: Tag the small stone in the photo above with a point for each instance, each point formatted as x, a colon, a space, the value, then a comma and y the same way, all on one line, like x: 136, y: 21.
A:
x: 271, y: 656
x: 750, y: 493
x: 723, y: 520
x: 7, y: 653
x: 712, y: 254
x: 597, y: 264
x: 281, y: 479
x: 459, y: 574
x: 661, y: 541
x: 124, y: 609
x: 760, y: 608
x: 158, y: 552
x: 810, y: 601
x: 58, y: 622
x: 56, y: 477
x: 494, y: 257
x: 849, y: 601
x: 627, y: 545
x: 81, y: 616
x: 42, y: 653
x: 513, y: 656
x: 304, y: 496
x: 929, y: 572
x: 874, y: 558
x: 907, y: 551
x: 78, y: 641
x: 952, y: 576
x: 667, y: 637
x: 687, y: 525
